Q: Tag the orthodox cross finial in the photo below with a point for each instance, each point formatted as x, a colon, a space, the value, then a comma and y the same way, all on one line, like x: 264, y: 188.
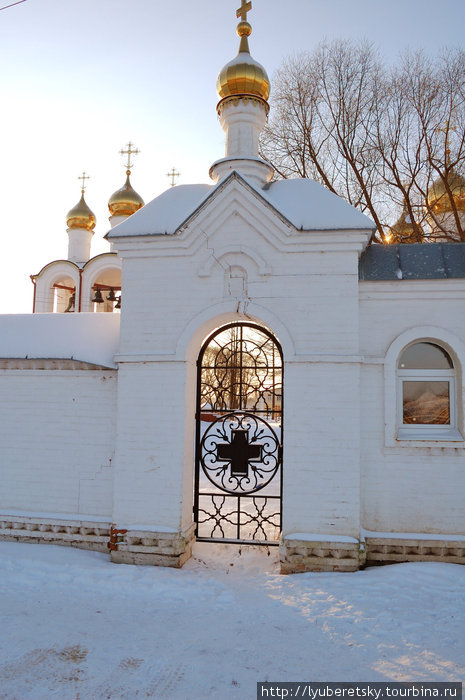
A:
x: 242, y: 11
x: 131, y: 150
x: 446, y: 130
x: 244, y: 29
x: 173, y: 175
x: 83, y: 177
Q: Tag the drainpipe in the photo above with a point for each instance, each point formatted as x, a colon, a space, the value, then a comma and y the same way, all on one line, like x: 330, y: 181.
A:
x: 35, y: 290
x: 80, y: 290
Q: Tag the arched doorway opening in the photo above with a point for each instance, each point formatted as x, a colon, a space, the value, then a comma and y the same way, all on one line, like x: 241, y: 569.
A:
x: 239, y: 436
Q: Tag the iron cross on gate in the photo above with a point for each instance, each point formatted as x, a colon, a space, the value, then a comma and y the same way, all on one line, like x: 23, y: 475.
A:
x: 239, y: 452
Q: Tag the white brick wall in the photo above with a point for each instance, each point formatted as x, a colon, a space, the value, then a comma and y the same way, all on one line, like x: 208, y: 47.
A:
x: 57, y: 431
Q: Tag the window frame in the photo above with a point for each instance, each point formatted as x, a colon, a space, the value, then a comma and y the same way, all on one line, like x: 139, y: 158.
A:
x: 425, y: 431
x: 398, y: 434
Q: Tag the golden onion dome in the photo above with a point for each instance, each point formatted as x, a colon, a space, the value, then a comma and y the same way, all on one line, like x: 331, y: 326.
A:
x: 243, y: 75
x: 81, y: 216
x: 438, y: 197
x: 125, y: 201
x: 405, y: 231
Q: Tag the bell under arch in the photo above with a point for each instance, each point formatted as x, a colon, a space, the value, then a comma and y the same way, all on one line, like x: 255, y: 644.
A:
x: 63, y: 295
x: 238, y: 461
x: 101, y: 284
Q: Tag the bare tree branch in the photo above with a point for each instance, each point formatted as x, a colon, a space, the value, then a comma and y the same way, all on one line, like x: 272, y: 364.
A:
x: 383, y: 140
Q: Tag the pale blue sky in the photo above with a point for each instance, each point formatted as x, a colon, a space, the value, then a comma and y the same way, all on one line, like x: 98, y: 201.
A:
x: 80, y: 79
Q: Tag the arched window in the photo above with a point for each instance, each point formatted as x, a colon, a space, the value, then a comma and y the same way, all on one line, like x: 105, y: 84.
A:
x: 427, y: 400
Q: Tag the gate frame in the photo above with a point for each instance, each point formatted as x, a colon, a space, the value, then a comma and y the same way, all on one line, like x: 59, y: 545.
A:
x: 198, y: 438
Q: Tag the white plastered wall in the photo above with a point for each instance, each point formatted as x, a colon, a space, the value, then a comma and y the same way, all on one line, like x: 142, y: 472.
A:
x: 304, y: 287
x: 409, y: 486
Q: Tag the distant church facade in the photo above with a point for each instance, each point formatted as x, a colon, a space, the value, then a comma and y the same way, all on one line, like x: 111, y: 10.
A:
x: 256, y: 373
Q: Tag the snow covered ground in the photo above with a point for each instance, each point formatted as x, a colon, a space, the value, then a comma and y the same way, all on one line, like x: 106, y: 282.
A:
x: 74, y: 626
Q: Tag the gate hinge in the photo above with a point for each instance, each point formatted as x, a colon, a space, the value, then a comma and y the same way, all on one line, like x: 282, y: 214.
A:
x: 116, y: 536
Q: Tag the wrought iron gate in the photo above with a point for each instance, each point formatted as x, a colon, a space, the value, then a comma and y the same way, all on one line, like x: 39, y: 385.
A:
x: 238, y: 474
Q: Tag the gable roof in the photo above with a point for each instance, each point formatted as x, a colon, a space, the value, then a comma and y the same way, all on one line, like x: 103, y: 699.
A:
x: 413, y: 261
x: 306, y: 204
x: 164, y: 214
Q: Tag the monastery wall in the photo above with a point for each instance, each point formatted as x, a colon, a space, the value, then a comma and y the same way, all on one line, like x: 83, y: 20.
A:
x: 58, y: 394
x: 409, y: 486
x: 57, y: 441
x: 87, y: 337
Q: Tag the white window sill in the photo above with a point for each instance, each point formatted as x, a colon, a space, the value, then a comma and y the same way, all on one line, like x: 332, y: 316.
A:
x: 426, y: 436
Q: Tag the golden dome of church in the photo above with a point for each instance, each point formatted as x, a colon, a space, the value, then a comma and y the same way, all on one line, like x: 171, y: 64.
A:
x: 125, y: 201
x: 438, y: 197
x: 81, y: 216
x: 405, y: 230
x: 243, y: 75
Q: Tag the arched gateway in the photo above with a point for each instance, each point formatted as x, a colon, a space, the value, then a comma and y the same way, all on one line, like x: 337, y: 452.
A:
x: 238, y: 475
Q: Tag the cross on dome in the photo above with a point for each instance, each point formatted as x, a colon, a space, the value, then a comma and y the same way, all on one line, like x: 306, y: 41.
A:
x: 446, y: 131
x: 81, y: 217
x: 131, y: 150
x: 243, y: 88
x: 173, y: 174
x: 243, y: 10
x: 126, y: 201
x: 83, y: 177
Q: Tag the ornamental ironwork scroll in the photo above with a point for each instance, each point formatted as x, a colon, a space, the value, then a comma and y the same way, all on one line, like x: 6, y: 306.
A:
x: 221, y: 517
x: 239, y: 436
x: 240, y: 453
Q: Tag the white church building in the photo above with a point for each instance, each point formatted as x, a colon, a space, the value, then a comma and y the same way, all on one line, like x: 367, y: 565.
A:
x: 257, y: 373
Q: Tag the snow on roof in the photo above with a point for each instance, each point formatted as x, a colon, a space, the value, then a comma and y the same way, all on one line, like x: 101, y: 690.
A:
x: 165, y: 213
x: 308, y: 205
x: 304, y: 203
x: 88, y: 337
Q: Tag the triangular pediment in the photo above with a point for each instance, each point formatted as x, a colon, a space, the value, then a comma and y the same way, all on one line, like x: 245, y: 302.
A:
x: 236, y: 209
x: 236, y: 197
x: 297, y: 204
